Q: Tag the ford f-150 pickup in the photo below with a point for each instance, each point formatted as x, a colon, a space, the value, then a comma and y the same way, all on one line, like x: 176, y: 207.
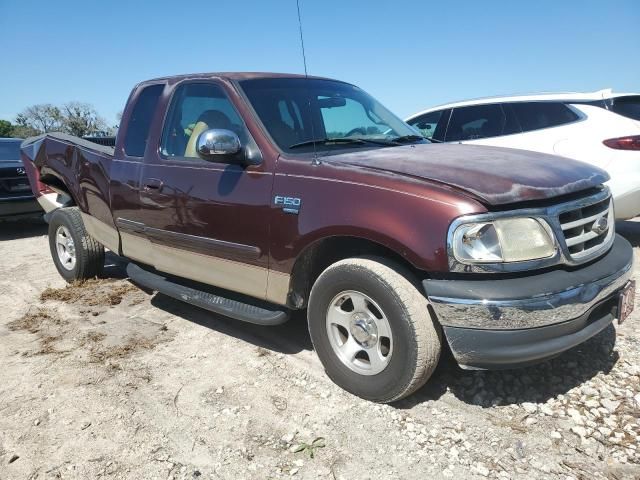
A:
x: 253, y: 195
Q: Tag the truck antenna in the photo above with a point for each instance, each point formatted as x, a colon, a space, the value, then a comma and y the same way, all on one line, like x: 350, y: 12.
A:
x: 304, y: 57
x: 315, y: 160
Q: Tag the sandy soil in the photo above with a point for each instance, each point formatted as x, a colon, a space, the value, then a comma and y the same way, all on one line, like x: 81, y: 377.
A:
x: 104, y: 380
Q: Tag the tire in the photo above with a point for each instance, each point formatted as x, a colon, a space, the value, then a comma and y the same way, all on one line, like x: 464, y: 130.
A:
x: 84, y: 257
x: 412, y: 347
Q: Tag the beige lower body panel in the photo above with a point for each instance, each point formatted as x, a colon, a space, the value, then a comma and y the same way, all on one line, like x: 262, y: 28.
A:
x: 238, y: 277
x: 103, y: 233
x: 278, y: 287
x: 50, y: 201
x: 137, y: 248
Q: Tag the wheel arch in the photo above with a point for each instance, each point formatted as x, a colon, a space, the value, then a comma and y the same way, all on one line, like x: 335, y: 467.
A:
x: 54, y: 181
x: 327, y: 250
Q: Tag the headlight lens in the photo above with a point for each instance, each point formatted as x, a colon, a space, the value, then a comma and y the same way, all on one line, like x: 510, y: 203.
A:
x: 504, y: 240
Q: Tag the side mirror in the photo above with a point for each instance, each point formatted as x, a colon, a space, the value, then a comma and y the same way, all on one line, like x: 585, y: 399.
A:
x: 217, y: 141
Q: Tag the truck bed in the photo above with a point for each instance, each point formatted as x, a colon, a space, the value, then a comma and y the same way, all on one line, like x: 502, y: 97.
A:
x: 74, y: 166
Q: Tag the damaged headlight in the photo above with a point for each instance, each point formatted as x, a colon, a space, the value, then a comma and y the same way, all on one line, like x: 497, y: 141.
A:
x: 504, y: 240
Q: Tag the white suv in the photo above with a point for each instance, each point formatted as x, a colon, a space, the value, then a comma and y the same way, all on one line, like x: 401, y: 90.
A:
x: 601, y: 128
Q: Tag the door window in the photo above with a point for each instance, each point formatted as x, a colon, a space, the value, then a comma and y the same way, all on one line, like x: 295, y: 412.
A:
x: 197, y: 107
x: 537, y: 115
x: 478, y: 121
x: 431, y: 125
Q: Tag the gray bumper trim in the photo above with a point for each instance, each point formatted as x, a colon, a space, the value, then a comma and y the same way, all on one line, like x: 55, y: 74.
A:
x: 544, y: 299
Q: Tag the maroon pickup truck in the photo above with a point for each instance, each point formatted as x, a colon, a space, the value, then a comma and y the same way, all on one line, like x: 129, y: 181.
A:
x: 252, y: 195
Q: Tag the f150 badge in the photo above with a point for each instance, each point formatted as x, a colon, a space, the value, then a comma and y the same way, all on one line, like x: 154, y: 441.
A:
x: 288, y: 204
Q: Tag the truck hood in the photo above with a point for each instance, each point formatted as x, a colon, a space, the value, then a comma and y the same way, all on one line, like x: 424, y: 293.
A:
x: 495, y: 176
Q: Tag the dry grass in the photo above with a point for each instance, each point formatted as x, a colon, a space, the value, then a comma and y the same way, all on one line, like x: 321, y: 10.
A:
x: 93, y: 292
x: 99, y: 353
x: 35, y: 320
x: 47, y: 345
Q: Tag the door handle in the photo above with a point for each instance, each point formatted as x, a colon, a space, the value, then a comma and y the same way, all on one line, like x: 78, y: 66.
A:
x: 152, y: 184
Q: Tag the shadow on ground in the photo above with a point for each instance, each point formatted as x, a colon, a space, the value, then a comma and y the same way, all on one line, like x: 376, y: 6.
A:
x: 291, y: 337
x: 536, y: 384
x: 114, y: 266
x: 13, y: 229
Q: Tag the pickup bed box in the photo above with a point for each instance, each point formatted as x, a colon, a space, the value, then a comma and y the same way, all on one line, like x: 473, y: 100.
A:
x: 252, y: 195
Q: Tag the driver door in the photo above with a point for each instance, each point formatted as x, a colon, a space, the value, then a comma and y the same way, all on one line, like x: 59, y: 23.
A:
x: 206, y: 220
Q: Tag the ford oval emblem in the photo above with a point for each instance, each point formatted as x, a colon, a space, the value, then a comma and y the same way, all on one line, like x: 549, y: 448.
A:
x: 600, y: 226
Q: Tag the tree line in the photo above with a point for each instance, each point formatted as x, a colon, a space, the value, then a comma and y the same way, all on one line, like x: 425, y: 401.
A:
x: 75, y: 118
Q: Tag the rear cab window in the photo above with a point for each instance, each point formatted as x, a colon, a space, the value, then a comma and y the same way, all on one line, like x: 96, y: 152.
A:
x: 135, y: 141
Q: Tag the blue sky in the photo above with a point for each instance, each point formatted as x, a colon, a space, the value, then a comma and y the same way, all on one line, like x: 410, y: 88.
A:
x: 408, y: 54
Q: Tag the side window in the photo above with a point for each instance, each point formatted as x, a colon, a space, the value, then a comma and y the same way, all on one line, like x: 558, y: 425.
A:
x: 628, y: 106
x: 478, y: 121
x: 135, y: 141
x: 428, y: 123
x: 197, y: 107
x: 536, y: 115
x: 511, y: 124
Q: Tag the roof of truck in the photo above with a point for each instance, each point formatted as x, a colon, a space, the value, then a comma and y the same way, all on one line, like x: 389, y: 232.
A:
x: 235, y: 76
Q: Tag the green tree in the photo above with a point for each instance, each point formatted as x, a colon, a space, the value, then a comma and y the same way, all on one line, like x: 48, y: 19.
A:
x: 6, y: 129
x: 21, y: 131
x: 41, y: 118
x: 81, y: 119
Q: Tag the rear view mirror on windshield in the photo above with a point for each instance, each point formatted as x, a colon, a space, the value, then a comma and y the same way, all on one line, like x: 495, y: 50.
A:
x: 331, y: 102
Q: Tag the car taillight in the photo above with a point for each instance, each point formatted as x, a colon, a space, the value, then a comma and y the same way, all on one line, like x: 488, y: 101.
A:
x: 624, y: 143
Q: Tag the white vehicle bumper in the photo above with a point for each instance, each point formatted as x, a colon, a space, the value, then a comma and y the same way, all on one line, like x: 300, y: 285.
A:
x: 626, y: 195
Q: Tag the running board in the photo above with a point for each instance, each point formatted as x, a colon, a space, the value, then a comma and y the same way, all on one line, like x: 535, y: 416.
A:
x: 214, y: 303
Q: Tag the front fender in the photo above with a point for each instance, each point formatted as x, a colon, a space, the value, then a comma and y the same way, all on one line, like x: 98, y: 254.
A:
x: 412, y: 222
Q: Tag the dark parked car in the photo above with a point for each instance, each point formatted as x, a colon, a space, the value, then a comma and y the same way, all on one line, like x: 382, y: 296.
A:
x: 306, y: 193
x: 16, y: 197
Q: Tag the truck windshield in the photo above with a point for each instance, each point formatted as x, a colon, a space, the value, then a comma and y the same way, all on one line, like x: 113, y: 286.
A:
x: 299, y: 113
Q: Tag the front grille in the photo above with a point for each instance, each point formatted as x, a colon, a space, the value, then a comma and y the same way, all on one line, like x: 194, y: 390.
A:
x: 587, y: 227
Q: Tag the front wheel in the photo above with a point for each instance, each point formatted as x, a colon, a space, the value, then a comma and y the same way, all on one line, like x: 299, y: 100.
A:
x: 372, y: 330
x: 76, y: 254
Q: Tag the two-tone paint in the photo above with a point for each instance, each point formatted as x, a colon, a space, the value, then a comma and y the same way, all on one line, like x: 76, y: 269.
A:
x: 223, y: 224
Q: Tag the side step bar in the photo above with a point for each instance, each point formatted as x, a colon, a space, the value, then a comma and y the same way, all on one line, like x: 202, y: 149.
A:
x: 223, y: 306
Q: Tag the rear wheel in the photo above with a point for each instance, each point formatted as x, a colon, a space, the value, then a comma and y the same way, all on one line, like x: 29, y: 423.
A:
x: 76, y: 255
x: 372, y: 329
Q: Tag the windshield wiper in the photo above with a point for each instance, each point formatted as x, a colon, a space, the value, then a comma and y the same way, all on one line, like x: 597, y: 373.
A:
x: 407, y: 138
x: 325, y: 141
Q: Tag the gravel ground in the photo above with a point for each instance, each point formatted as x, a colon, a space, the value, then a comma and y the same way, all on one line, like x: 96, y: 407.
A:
x: 105, y: 380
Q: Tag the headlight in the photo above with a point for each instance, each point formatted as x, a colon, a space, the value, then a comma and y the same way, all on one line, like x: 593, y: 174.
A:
x: 504, y: 240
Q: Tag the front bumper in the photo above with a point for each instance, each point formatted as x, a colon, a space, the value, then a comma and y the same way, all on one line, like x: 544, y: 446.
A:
x: 514, y: 322
x: 15, y: 206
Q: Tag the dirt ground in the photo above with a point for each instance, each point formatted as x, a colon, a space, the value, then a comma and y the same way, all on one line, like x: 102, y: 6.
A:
x: 104, y: 380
